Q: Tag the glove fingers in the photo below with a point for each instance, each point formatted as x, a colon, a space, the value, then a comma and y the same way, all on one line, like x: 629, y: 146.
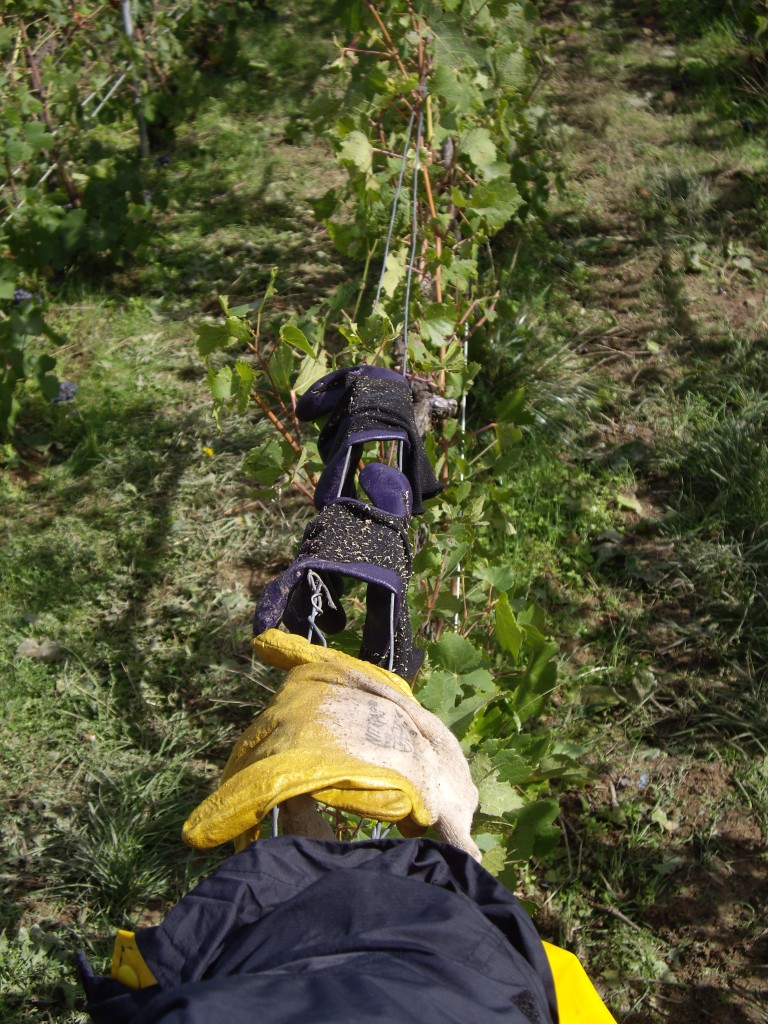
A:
x: 287, y: 651
x: 246, y: 798
x: 386, y: 805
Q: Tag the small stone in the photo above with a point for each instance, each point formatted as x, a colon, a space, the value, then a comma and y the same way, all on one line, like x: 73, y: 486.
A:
x: 46, y: 650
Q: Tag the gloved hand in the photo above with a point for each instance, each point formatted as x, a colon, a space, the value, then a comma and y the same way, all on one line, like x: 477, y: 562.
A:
x: 346, y: 733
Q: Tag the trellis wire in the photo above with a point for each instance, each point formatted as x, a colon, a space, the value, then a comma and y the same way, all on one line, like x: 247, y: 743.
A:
x: 462, y: 436
x: 395, y: 203
x: 140, y: 120
x: 414, y: 227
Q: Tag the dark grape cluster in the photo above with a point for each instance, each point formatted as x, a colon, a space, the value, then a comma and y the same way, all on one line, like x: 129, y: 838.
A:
x: 67, y: 392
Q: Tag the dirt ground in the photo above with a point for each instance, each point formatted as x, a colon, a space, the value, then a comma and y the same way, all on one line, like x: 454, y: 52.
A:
x: 672, y: 810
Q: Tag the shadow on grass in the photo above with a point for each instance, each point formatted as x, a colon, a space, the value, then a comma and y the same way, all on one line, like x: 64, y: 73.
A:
x: 118, y: 554
x: 666, y: 900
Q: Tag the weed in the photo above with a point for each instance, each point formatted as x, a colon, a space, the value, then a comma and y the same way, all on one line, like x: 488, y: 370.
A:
x: 678, y: 197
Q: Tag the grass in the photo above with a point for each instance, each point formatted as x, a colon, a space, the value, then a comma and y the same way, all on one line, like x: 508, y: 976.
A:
x: 666, y: 665
x: 134, y: 551
x: 639, y: 504
x: 131, y: 541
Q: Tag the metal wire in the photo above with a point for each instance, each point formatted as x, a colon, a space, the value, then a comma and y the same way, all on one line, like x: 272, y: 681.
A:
x: 462, y: 437
x: 108, y: 96
x: 319, y: 590
x: 391, y: 660
x: 414, y: 227
x: 395, y: 203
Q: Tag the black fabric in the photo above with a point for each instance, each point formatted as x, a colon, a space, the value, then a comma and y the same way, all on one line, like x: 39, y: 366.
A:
x: 300, y: 930
x: 350, y: 538
x: 371, y: 404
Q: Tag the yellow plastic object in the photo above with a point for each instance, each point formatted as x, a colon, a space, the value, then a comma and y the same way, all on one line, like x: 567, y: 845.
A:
x: 128, y: 965
x: 346, y: 733
x: 577, y: 998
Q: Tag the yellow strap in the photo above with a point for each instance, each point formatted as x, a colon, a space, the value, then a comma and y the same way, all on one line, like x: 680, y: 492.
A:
x: 128, y: 965
x: 577, y: 998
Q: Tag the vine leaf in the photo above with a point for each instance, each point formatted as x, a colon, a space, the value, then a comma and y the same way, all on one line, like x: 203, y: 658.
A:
x: 511, y: 69
x: 495, y: 203
x: 394, y: 272
x: 508, y: 633
x: 311, y: 369
x: 281, y: 367
x: 356, y: 150
x: 293, y: 335
x: 479, y: 147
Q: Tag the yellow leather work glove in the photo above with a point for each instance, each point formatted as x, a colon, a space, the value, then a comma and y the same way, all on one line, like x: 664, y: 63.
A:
x: 346, y: 733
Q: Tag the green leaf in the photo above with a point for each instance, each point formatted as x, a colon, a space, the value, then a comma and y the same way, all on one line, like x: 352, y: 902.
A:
x: 455, y: 653
x: 292, y: 335
x: 246, y: 377
x: 394, y: 272
x: 511, y: 409
x: 533, y: 822
x: 495, y: 860
x: 439, y: 692
x: 511, y: 69
x: 460, y: 272
x: 356, y: 150
x: 438, y: 322
x: 72, y: 229
x: 211, y: 337
x: 325, y: 206
x: 459, y: 719
x: 453, y: 556
x: 507, y: 436
x: 479, y: 679
x: 281, y: 367
x: 539, y: 682
x: 221, y: 384
x: 269, y: 461
x: 270, y: 290
x: 237, y: 329
x: 496, y: 797
x: 499, y: 577
x: 311, y: 369
x: 508, y: 633
x: 377, y: 329
x: 454, y: 90
x: 495, y: 203
x: 479, y: 147
x: 512, y: 767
